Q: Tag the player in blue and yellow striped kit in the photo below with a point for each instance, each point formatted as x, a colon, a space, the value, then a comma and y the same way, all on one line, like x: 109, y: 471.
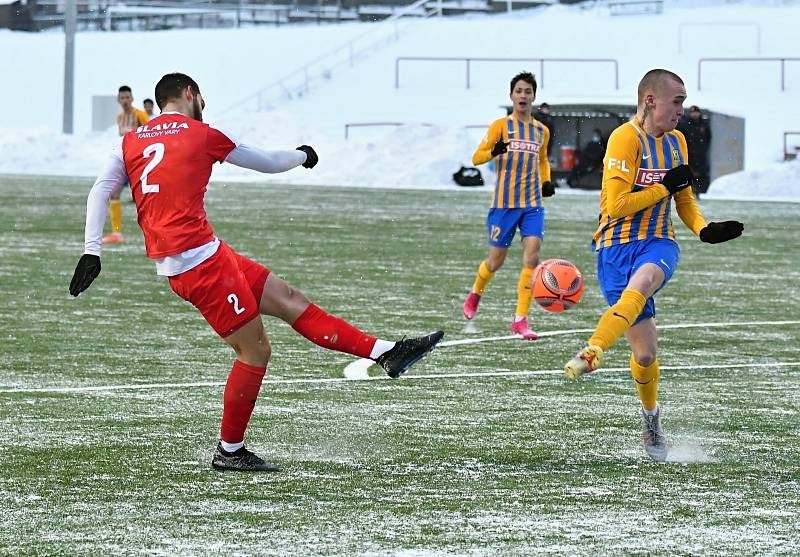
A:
x: 519, y: 143
x: 645, y: 170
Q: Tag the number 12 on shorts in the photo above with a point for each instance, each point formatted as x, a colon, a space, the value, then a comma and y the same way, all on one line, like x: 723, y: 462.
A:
x: 495, y: 234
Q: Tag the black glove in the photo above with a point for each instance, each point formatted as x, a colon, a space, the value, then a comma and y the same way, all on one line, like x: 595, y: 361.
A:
x: 85, y: 272
x: 718, y: 232
x: 500, y: 147
x: 311, y: 156
x: 678, y: 178
x: 548, y: 189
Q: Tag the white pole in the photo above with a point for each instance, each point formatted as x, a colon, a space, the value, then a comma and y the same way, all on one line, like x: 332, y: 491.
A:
x: 70, y: 16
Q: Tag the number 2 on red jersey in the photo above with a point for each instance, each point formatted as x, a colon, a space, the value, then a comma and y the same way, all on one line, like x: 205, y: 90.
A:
x: 156, y: 150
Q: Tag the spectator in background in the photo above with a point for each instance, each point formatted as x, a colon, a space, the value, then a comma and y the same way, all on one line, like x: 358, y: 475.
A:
x: 148, y: 108
x: 129, y: 119
x: 543, y: 116
x: 697, y: 131
x: 590, y: 158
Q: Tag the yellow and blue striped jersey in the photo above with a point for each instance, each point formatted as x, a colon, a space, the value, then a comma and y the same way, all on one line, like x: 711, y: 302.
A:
x: 127, y: 121
x: 522, y: 170
x: 633, y: 203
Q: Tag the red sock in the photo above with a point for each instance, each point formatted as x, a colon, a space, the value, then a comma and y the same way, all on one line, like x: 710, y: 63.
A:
x: 239, y: 399
x: 328, y: 331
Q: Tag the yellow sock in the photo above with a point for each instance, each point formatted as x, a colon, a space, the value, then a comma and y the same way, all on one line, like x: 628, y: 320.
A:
x: 482, y: 279
x: 524, y: 291
x: 646, y: 379
x: 116, y: 215
x: 618, y: 318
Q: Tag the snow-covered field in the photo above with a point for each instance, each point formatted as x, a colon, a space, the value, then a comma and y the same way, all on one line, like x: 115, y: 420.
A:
x: 110, y: 402
x: 231, y: 64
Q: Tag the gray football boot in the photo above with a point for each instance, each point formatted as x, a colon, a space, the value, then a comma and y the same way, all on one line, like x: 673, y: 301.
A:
x: 653, y: 438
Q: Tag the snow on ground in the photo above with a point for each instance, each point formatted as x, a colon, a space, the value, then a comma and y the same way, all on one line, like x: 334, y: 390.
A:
x: 780, y: 182
x: 231, y: 64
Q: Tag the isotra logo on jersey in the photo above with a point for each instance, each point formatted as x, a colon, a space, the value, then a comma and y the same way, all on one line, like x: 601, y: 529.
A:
x: 648, y: 177
x: 167, y: 128
x: 524, y: 146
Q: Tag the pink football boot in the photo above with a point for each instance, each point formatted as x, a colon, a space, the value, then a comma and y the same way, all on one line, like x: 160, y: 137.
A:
x: 471, y: 305
x: 521, y: 328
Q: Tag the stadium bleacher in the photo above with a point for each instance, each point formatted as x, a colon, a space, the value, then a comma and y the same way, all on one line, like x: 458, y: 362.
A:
x: 147, y: 15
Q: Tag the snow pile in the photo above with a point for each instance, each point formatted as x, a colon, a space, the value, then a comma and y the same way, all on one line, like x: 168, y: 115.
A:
x: 409, y: 155
x: 780, y: 182
x: 45, y: 152
x: 412, y: 155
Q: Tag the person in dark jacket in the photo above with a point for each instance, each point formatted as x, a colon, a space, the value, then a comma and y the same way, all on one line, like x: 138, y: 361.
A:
x: 698, y: 139
x: 590, y: 158
x: 543, y: 115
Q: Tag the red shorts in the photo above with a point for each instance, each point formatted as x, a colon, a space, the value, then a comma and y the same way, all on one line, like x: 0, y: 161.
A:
x: 226, y: 288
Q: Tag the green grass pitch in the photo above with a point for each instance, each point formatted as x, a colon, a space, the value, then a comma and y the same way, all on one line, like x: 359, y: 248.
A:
x: 474, y: 453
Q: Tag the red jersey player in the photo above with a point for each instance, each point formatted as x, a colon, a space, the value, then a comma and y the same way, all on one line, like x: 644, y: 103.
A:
x: 168, y: 162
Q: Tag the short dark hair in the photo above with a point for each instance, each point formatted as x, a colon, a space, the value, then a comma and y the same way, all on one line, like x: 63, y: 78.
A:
x: 172, y: 85
x: 148, y: 101
x: 523, y: 76
x: 125, y: 89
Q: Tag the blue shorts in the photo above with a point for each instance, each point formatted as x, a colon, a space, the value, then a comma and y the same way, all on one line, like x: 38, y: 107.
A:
x: 617, y: 264
x: 501, y: 224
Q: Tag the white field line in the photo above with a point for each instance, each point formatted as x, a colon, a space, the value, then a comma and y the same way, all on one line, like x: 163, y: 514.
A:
x: 660, y: 327
x: 479, y: 374
x: 359, y: 368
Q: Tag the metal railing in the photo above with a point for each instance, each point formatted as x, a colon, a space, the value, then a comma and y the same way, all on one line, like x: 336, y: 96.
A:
x: 469, y: 61
x: 164, y: 14
x: 782, y: 60
x: 786, y: 154
x: 636, y: 7
x: 116, y: 17
x: 299, y: 81
x: 396, y: 124
x: 523, y: 4
x: 169, y: 14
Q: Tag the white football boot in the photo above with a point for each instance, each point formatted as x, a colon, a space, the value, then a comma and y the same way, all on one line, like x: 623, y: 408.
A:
x: 585, y: 361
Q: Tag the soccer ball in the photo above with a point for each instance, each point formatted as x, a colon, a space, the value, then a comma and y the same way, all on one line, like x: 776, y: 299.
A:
x: 557, y: 285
